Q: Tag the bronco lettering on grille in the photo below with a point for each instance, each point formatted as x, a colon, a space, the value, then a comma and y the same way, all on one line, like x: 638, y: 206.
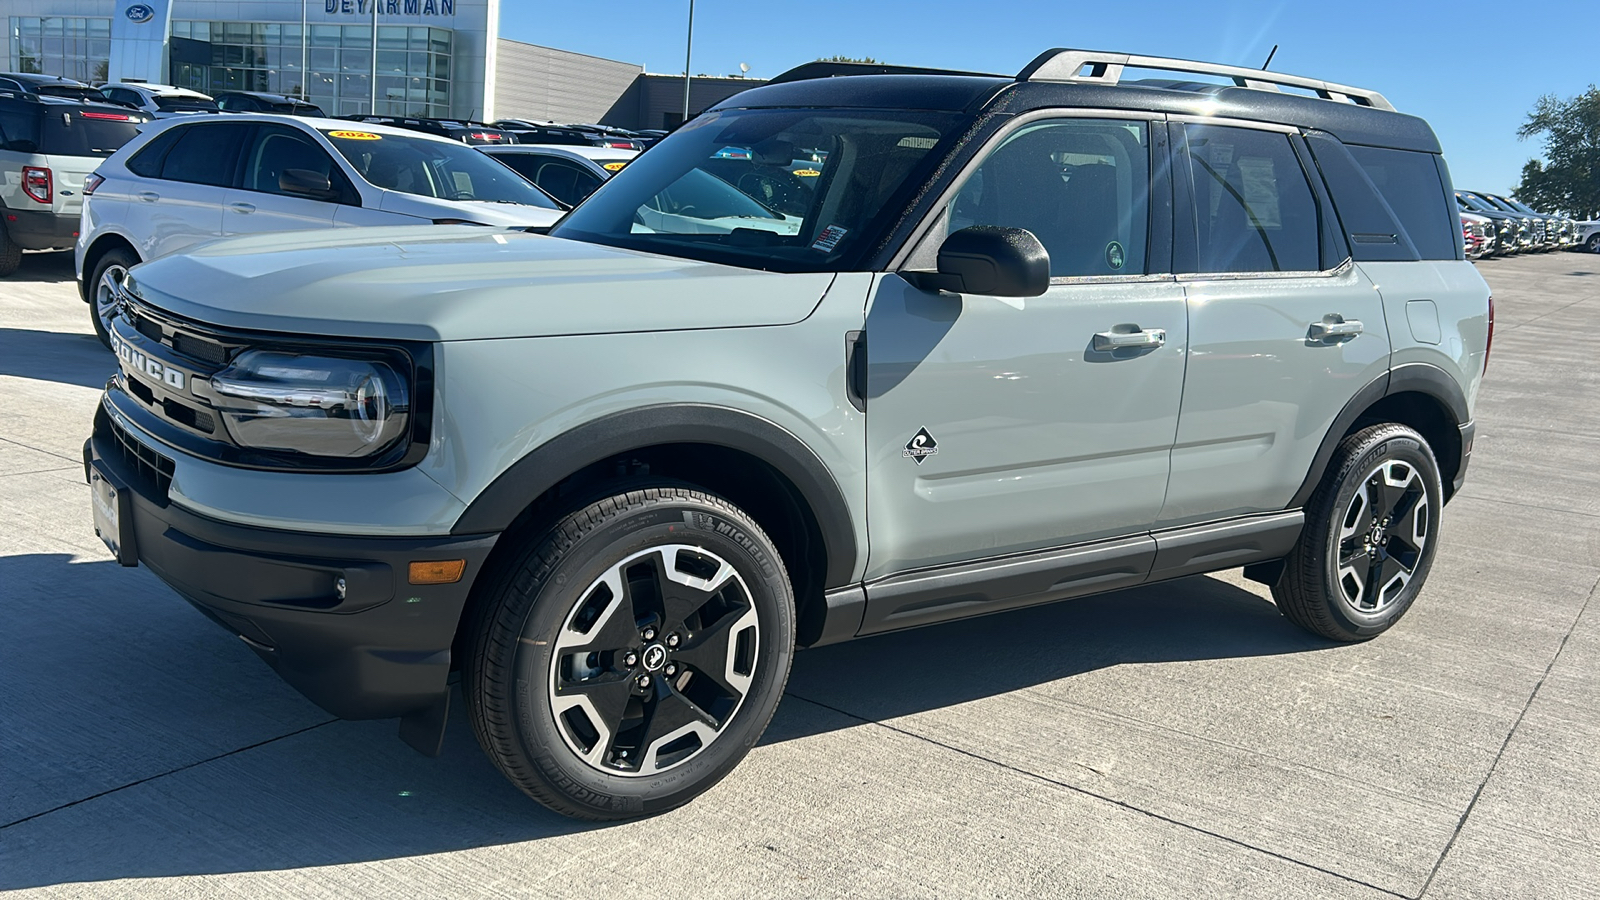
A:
x: 134, y: 361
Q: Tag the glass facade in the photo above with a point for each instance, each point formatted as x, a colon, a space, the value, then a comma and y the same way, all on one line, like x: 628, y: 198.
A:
x: 330, y: 65
x: 61, y: 45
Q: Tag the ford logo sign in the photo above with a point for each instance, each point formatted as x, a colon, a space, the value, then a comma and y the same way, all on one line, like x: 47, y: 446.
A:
x: 141, y: 13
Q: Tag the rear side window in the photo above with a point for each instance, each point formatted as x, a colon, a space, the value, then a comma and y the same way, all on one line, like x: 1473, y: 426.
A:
x: 1409, y: 180
x: 1373, y: 229
x: 87, y: 132
x: 1254, y: 210
x: 19, y: 128
x: 146, y: 163
x: 205, y: 154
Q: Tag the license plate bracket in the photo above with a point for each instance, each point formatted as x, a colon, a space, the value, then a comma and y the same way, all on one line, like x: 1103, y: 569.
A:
x: 113, y: 513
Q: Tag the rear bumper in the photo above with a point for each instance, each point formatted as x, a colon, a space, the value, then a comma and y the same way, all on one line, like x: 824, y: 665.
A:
x: 379, y: 651
x: 41, y: 229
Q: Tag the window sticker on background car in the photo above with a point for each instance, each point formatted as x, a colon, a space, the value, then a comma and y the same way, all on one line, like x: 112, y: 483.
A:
x: 614, y: 166
x: 354, y: 135
x: 830, y: 238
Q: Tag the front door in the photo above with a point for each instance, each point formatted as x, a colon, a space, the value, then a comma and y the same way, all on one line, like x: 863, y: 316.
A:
x: 1001, y: 425
x: 273, y: 158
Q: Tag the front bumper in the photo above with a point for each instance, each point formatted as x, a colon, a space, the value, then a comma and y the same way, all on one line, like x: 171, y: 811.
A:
x: 41, y: 229
x: 380, y: 650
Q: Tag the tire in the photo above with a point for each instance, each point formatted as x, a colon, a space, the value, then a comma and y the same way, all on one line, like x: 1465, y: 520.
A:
x: 10, y: 253
x: 114, y: 264
x: 1382, y: 490
x: 1593, y: 243
x: 685, y: 603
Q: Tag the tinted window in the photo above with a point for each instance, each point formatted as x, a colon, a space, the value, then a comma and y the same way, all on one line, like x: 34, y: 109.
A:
x: 88, y: 132
x: 565, y: 181
x: 1409, y: 180
x: 185, y: 104
x: 1082, y: 187
x: 19, y: 127
x: 1374, y: 232
x: 433, y: 168
x: 205, y: 154
x: 123, y: 95
x: 1254, y: 211
x: 278, y: 149
x: 147, y: 161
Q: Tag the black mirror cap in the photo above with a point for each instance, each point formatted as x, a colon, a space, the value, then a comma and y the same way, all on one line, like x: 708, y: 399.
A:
x: 306, y: 183
x: 994, y: 260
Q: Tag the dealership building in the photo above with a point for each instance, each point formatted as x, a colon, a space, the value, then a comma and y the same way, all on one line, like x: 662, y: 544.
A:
x: 440, y: 58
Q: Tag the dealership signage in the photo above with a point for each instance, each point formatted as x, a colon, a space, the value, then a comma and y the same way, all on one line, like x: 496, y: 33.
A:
x: 391, y: 7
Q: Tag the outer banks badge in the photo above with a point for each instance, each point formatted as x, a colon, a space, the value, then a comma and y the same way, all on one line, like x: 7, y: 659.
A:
x: 921, y: 446
x: 1116, y: 257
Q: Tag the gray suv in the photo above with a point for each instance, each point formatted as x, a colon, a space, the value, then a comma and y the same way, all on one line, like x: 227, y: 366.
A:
x: 998, y: 341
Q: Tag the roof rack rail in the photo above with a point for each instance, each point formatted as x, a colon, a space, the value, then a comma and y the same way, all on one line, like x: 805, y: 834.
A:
x: 1066, y: 65
x: 831, y: 69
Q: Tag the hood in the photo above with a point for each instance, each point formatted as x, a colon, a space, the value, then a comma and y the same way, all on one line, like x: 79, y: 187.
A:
x: 461, y: 282
x: 481, y: 212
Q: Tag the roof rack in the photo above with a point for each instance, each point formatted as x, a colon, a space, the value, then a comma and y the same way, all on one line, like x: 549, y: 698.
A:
x: 1066, y: 65
x: 831, y: 69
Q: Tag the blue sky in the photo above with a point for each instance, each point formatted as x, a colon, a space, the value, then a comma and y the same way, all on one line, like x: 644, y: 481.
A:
x: 1472, y: 70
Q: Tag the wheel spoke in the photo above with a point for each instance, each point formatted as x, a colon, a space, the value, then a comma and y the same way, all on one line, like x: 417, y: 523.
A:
x: 1410, y: 521
x: 684, y: 593
x: 669, y: 718
x: 602, y: 701
x: 613, y: 626
x: 712, y: 652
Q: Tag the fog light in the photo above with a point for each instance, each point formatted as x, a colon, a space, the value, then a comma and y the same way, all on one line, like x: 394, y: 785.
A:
x: 446, y: 571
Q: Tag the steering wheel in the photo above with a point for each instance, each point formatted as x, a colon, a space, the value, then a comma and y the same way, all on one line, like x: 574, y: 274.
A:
x: 459, y: 195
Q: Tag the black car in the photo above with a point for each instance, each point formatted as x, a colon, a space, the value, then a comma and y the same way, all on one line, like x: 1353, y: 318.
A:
x: 463, y: 130
x: 254, y: 101
x: 1511, y: 235
x: 49, y: 86
x: 573, y: 135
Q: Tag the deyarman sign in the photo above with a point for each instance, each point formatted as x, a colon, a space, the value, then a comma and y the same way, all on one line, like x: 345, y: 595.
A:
x: 391, y: 7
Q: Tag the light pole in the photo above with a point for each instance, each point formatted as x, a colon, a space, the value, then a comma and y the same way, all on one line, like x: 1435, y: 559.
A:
x: 688, y: 54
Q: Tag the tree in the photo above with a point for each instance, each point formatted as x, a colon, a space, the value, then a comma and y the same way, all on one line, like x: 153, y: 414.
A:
x: 865, y: 60
x: 1569, y: 177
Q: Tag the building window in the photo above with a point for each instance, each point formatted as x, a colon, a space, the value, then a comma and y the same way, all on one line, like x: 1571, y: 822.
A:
x: 332, y: 67
x: 56, y: 45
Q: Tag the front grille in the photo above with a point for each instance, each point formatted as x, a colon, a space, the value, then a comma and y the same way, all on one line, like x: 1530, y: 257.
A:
x: 151, y: 471
x: 201, y: 349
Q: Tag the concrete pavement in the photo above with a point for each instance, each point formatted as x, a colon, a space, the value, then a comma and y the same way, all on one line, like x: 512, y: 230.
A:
x: 1171, y: 741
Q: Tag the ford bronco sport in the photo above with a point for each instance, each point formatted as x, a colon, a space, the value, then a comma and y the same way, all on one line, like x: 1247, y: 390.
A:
x: 994, y: 342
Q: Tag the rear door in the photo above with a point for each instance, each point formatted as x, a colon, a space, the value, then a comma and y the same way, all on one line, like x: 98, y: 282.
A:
x: 273, y: 156
x: 1283, y: 329
x: 181, y: 204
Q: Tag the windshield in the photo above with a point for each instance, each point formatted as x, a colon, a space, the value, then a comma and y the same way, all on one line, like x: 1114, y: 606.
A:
x: 785, y: 189
x: 1495, y: 203
x: 184, y: 104
x: 1520, y: 207
x: 434, y: 168
x: 1473, y: 202
x: 71, y: 92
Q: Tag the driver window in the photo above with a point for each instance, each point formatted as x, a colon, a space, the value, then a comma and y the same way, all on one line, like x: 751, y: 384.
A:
x: 1082, y: 186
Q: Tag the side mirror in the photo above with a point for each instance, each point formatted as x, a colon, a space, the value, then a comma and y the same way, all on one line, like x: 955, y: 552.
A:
x: 308, y: 184
x: 989, y: 259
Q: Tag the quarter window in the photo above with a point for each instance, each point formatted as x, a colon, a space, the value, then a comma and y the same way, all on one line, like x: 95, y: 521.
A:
x: 1410, y: 182
x: 1081, y: 186
x: 147, y: 162
x: 1254, y: 211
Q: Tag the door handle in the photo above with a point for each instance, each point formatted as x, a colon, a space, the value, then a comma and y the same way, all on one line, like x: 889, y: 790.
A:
x: 245, y: 208
x: 1130, y: 340
x: 1334, y: 325
x: 149, y: 196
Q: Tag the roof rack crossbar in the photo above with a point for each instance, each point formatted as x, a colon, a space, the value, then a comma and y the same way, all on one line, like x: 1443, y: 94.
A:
x: 1096, y: 67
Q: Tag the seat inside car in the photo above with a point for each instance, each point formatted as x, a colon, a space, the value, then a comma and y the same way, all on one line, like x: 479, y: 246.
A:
x: 280, y: 153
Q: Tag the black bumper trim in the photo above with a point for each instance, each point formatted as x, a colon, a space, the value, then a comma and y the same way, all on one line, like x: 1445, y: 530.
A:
x: 380, y: 651
x: 1468, y: 431
x: 40, y: 229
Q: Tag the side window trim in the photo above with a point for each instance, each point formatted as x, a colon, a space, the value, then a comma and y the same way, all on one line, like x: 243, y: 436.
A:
x: 921, y: 250
x: 1187, y: 240
x: 1331, y: 244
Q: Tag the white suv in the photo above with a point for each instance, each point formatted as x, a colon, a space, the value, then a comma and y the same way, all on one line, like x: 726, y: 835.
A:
x: 196, y: 178
x: 160, y: 101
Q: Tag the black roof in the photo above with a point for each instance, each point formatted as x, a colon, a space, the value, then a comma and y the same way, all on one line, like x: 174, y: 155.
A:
x: 30, y: 78
x: 855, y: 86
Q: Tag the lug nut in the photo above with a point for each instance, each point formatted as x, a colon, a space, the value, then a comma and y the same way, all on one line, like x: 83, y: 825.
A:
x: 672, y: 640
x: 644, y: 681
x: 649, y: 634
x: 672, y: 668
x: 632, y: 659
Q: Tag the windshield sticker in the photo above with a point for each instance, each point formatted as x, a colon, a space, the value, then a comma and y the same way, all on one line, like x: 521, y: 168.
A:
x: 830, y: 238
x: 613, y: 166
x: 354, y: 135
x: 806, y: 173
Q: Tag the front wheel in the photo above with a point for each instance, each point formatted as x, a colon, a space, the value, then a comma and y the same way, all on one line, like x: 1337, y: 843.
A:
x: 1370, y: 535
x: 1593, y: 243
x: 104, y: 281
x: 633, y: 655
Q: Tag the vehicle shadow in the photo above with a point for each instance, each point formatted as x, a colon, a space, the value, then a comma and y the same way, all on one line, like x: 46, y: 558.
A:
x: 347, y: 792
x: 57, y: 356
x: 55, y: 267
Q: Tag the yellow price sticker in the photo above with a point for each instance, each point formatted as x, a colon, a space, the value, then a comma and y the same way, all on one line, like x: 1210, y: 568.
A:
x: 613, y: 166
x: 354, y: 135
x: 807, y: 173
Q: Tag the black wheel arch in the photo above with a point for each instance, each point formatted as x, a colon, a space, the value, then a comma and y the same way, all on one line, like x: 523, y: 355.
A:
x: 1420, y: 395
x: 91, y: 259
x: 677, y: 425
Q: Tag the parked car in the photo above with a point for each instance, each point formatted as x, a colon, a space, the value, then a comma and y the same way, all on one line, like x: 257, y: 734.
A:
x: 1477, y: 233
x: 1512, y: 234
x: 1546, y: 228
x: 190, y: 180
x: 570, y: 135
x: 569, y: 174
x: 1588, y: 235
x: 48, y: 86
x: 616, y: 475
x: 467, y: 132
x: 255, y: 101
x: 49, y: 145
x: 159, y: 100
x: 1559, y: 229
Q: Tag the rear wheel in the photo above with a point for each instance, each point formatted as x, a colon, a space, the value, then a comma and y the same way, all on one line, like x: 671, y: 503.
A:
x: 1593, y: 243
x: 633, y: 656
x: 1369, y: 537
x: 107, y: 277
x: 10, y: 253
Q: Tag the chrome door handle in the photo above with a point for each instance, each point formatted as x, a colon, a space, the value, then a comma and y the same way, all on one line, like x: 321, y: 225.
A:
x: 149, y: 196
x: 1130, y: 340
x: 245, y: 208
x: 1334, y: 325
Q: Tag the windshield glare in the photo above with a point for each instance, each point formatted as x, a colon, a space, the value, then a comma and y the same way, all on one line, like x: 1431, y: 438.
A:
x: 434, y: 168
x: 791, y: 190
